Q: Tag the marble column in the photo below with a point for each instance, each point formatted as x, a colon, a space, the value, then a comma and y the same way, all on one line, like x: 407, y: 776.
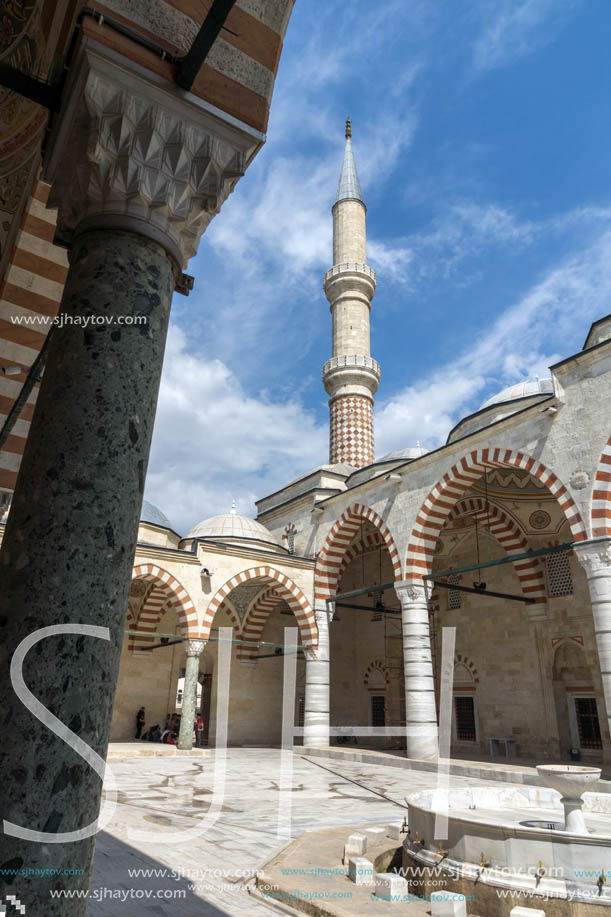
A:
x: 596, y: 561
x: 420, y: 711
x: 193, y: 649
x: 317, y: 693
x: 136, y: 175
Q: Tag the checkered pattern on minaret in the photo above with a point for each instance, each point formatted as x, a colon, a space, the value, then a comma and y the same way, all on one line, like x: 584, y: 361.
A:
x: 351, y: 430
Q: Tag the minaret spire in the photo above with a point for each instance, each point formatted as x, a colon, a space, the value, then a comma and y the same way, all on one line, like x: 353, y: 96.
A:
x: 351, y: 376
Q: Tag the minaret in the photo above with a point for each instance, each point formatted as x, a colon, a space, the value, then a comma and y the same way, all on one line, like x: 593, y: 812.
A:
x: 350, y: 377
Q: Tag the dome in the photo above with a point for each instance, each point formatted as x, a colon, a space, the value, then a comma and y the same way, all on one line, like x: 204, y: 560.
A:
x: 413, y: 452
x: 524, y: 389
x: 151, y: 514
x: 232, y: 527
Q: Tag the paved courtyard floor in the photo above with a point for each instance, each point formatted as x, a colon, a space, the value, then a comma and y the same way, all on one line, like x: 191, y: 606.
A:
x: 205, y: 874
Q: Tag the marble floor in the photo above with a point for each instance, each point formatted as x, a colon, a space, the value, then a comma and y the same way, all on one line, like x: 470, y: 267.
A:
x: 207, y: 874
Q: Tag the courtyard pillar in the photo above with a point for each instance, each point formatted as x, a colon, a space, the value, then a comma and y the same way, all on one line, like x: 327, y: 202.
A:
x: 317, y: 693
x: 596, y: 561
x: 137, y: 172
x: 420, y: 711
x: 193, y: 649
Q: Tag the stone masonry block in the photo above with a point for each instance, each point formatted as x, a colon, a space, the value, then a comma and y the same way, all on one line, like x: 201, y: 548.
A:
x: 393, y: 829
x: 448, y: 904
x: 390, y: 886
x: 360, y: 871
x: 526, y: 912
x: 359, y: 842
x: 375, y: 835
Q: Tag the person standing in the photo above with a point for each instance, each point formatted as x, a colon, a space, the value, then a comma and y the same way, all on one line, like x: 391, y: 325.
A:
x: 140, y: 719
x: 199, y: 731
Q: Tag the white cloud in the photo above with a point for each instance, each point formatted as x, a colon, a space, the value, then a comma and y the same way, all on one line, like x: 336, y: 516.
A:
x: 214, y: 442
x: 524, y: 341
x: 513, y: 28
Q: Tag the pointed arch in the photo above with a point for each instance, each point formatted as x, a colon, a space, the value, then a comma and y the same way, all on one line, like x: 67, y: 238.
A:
x: 378, y: 665
x: 255, y: 619
x: 460, y: 477
x: 286, y: 589
x: 601, y: 495
x: 165, y: 593
x: 509, y: 536
x: 329, y: 562
x: 372, y: 540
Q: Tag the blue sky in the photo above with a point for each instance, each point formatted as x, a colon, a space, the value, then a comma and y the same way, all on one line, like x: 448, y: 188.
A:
x: 482, y: 136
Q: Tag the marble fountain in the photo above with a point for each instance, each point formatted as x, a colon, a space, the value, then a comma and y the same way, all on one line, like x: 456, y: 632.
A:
x: 540, y: 847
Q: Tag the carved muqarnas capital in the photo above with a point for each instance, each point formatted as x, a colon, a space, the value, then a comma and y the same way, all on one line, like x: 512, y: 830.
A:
x: 596, y: 558
x: 128, y: 155
x: 411, y: 592
x: 194, y: 647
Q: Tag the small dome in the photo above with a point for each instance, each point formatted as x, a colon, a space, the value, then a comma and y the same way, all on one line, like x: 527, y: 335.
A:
x: 151, y: 514
x: 524, y: 389
x: 232, y: 527
x: 413, y: 452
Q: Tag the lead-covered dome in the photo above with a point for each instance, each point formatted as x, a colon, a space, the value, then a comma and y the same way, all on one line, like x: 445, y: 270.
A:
x: 524, y: 389
x: 231, y: 527
x: 153, y: 515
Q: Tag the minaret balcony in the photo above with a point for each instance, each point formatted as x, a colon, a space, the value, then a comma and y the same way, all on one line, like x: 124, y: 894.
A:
x: 351, y: 276
x: 350, y: 370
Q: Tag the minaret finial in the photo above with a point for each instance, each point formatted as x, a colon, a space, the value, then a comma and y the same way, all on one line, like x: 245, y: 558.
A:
x: 348, y: 129
x: 233, y: 509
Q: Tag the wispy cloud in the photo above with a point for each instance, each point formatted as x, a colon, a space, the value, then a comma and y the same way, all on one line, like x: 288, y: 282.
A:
x: 512, y: 28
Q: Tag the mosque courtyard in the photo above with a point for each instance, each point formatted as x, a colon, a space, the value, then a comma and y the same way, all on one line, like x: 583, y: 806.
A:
x: 215, y: 873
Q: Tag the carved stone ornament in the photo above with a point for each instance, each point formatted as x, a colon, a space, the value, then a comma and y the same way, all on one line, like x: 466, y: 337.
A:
x: 579, y: 480
x: 310, y: 655
x: 194, y: 647
x: 129, y: 154
x: 411, y: 592
x: 596, y: 558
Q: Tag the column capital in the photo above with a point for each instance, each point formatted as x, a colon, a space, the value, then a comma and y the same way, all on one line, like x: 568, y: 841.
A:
x: 131, y: 154
x: 324, y: 613
x: 194, y: 647
x: 595, y: 557
x: 410, y: 591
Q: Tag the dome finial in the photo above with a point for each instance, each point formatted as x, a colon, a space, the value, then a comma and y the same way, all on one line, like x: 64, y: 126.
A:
x: 348, y: 129
x: 233, y: 509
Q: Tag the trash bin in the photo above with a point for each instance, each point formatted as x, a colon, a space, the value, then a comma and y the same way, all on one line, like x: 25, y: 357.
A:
x: 575, y: 754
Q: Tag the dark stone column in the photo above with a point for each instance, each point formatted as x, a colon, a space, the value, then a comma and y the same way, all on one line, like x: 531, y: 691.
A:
x: 193, y: 649
x: 69, y: 547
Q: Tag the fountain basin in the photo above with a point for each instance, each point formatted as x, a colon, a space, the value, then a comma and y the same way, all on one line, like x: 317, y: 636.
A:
x: 533, y: 861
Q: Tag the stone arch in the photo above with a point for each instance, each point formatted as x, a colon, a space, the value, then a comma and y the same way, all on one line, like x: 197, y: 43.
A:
x: 510, y: 537
x: 254, y: 620
x: 377, y: 666
x: 371, y: 540
x: 438, y: 505
x: 601, y: 495
x: 287, y: 590
x: 165, y: 593
x: 343, y: 530
x: 463, y: 666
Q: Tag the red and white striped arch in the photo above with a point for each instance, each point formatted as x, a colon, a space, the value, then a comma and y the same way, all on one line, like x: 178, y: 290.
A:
x: 509, y: 536
x: 601, y: 495
x: 367, y: 543
x: 286, y: 589
x: 254, y: 621
x: 460, y: 477
x: 166, y: 593
x: 338, y: 541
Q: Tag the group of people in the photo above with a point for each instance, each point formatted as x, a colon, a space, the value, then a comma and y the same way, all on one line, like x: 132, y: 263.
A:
x: 169, y: 734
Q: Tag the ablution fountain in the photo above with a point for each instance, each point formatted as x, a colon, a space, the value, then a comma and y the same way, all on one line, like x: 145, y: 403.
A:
x: 543, y: 847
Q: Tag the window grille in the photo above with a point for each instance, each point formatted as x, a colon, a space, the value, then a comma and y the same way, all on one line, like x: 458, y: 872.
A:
x: 378, y: 710
x: 453, y: 594
x: 464, y: 711
x: 559, y: 577
x: 587, y: 722
x: 300, y: 710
